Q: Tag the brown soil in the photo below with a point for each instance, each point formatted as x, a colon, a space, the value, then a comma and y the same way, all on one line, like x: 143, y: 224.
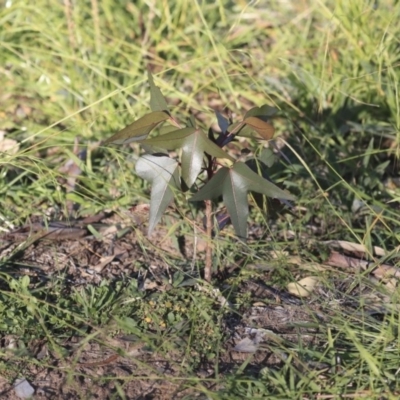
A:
x: 102, y: 367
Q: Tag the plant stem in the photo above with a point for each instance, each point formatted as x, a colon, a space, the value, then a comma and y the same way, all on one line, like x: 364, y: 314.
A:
x: 208, y: 266
x: 209, y: 222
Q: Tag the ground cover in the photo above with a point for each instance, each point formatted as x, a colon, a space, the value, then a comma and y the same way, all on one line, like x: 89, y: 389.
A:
x: 90, y: 307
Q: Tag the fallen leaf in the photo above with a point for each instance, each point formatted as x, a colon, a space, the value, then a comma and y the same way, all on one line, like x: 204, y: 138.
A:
x: 304, y: 287
x: 353, y: 247
x: 380, y: 270
x: 246, y: 345
x: 314, y: 267
x: 391, y: 285
x: 9, y: 146
x: 102, y: 263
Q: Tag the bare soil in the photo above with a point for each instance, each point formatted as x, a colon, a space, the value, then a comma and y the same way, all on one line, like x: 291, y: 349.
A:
x: 99, y: 368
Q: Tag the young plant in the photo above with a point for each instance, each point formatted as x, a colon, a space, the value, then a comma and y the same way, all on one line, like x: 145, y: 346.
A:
x: 203, y: 167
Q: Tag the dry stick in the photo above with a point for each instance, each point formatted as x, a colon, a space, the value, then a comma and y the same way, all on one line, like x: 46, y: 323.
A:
x: 70, y: 23
x: 101, y: 363
x: 195, y: 240
x: 209, y: 222
x: 358, y: 395
x: 96, y: 23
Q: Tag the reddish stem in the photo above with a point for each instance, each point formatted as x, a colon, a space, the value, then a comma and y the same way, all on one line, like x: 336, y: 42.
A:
x: 209, y: 223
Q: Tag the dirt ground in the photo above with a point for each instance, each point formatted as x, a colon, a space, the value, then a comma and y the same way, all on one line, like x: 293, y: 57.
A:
x: 103, y: 367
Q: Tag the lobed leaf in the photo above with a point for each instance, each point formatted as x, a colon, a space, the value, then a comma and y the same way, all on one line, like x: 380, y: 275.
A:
x: 223, y: 123
x: 162, y: 172
x: 171, y: 140
x: 256, y: 183
x: 234, y: 184
x: 157, y: 100
x: 268, y: 157
x: 140, y: 129
x: 260, y: 166
x: 213, y: 188
x: 194, y: 143
x: 264, y: 111
x: 191, y: 121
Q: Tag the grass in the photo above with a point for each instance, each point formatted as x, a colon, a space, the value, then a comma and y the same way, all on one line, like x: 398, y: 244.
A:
x: 74, y: 73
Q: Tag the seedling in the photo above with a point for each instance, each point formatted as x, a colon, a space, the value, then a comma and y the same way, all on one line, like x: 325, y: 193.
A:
x: 203, y: 169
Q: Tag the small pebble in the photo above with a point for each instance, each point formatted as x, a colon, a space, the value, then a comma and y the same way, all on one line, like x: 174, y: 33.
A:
x: 23, y: 389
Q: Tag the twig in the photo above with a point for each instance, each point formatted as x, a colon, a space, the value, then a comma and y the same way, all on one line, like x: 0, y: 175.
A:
x: 70, y: 23
x: 195, y: 241
x: 101, y: 363
x: 96, y: 23
x: 209, y: 222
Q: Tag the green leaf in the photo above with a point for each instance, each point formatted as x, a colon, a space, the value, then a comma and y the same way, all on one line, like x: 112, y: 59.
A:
x: 194, y: 143
x: 234, y: 194
x: 236, y: 127
x: 263, y: 111
x: 139, y: 129
x: 170, y: 140
x: 162, y: 130
x: 162, y: 172
x: 213, y: 188
x: 256, y: 183
x: 157, y: 100
x: 268, y: 157
x: 190, y: 121
x: 234, y: 184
